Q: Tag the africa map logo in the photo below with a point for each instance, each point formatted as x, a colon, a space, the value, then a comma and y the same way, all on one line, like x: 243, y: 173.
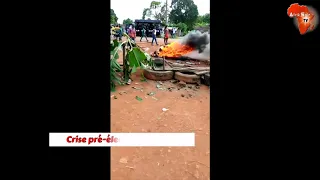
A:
x: 305, y: 17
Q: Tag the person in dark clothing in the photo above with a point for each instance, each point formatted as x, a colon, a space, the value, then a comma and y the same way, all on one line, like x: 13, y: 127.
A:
x: 143, y: 34
x: 154, y: 36
x: 119, y: 32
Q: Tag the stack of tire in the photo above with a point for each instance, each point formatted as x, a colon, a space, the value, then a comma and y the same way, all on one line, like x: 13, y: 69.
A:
x: 158, y: 75
x: 189, y: 78
x: 205, y: 79
x: 168, y: 75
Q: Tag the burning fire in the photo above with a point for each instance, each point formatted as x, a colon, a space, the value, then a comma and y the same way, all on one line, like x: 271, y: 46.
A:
x: 174, y: 50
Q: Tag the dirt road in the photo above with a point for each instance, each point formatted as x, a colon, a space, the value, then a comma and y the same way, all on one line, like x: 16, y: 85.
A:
x: 188, y: 112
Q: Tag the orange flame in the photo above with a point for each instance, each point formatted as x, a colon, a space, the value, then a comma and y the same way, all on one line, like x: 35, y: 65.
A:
x: 174, y: 50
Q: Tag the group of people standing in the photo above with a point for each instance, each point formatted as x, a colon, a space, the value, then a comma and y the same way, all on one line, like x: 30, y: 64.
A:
x: 133, y: 34
x: 118, y: 31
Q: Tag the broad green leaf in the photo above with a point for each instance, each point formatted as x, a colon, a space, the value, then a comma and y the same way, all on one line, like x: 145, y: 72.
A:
x: 144, y: 66
x: 115, y: 51
x: 134, y: 69
x: 115, y: 54
x: 136, y: 56
x: 143, y: 79
x: 111, y: 46
x: 115, y: 43
x: 115, y: 65
x: 148, y: 57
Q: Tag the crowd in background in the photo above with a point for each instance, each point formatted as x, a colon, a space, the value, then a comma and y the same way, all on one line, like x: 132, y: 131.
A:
x: 118, y: 31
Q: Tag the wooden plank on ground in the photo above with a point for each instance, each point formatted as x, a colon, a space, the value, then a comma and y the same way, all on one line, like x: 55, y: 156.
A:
x: 192, y: 68
x: 159, y: 68
x: 202, y: 72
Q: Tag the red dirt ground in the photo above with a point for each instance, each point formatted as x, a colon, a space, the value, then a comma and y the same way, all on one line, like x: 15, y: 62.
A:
x: 188, y: 112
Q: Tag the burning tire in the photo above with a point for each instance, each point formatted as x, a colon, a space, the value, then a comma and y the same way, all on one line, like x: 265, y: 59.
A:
x: 158, y: 61
x: 190, y: 78
x: 158, y: 75
x: 206, y: 79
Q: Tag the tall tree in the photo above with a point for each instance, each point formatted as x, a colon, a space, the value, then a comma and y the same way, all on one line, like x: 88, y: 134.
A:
x: 145, y: 13
x: 127, y: 21
x: 156, y: 11
x: 204, y: 19
x: 184, y: 11
x: 113, y: 17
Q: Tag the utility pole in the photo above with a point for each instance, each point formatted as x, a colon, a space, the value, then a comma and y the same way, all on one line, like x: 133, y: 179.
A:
x: 166, y: 12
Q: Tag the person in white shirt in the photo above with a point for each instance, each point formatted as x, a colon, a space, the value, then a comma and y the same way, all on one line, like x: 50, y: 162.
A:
x: 154, y: 36
x: 174, y: 32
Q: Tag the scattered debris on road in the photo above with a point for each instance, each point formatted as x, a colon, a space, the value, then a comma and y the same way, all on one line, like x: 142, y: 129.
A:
x: 122, y: 92
x: 151, y: 93
x: 123, y: 160
x: 174, y: 81
x: 182, y: 84
x: 129, y: 82
x: 138, y: 98
x: 164, y: 109
x: 137, y: 88
x: 171, y: 88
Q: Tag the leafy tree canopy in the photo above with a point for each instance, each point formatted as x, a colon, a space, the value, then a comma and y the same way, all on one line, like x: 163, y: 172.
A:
x: 204, y: 19
x: 113, y: 17
x: 183, y: 27
x: 184, y: 11
x: 157, y: 10
x: 127, y: 21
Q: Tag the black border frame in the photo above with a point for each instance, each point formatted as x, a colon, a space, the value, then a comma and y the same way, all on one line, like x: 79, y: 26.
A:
x: 79, y: 98
x: 250, y: 87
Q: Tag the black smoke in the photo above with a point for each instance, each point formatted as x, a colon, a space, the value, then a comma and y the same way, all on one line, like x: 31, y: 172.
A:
x: 197, y: 40
x: 200, y: 42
